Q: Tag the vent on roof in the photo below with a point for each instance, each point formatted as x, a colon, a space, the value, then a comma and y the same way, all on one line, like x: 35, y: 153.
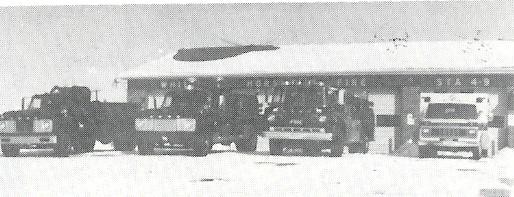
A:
x: 215, y: 53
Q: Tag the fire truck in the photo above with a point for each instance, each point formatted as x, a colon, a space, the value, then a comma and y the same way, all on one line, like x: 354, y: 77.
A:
x: 197, y: 114
x: 455, y: 122
x: 314, y: 116
x: 66, y: 120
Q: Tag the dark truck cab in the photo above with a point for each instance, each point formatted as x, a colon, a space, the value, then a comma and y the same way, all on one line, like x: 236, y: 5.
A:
x: 196, y: 119
x: 64, y: 119
x: 314, y: 118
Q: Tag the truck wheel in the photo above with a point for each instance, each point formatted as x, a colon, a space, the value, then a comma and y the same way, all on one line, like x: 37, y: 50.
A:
x: 476, y: 153
x: 123, y: 145
x: 354, y: 148
x: 63, y: 146
x: 145, y: 145
x: 88, y: 145
x: 247, y: 145
x: 275, y: 147
x: 10, y: 150
x: 84, y: 144
x: 337, y: 148
x: 312, y: 148
x: 202, y: 145
x: 427, y: 151
x: 365, y: 148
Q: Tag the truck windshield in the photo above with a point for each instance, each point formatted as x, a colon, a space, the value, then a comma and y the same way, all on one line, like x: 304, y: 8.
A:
x: 35, y: 103
x: 188, y: 100
x: 451, y: 111
x: 304, y: 98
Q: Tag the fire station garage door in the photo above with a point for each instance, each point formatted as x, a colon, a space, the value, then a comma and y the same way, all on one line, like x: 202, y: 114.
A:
x: 384, y: 108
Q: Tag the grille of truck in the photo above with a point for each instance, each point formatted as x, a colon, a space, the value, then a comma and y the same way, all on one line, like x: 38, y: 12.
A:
x: 298, y: 129
x: 24, y: 125
x: 449, y: 132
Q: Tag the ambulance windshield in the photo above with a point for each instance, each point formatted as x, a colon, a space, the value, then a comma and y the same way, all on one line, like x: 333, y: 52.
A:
x: 451, y: 111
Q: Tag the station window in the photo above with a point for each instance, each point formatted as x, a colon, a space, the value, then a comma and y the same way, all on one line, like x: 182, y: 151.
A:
x: 388, y: 120
x: 159, y: 100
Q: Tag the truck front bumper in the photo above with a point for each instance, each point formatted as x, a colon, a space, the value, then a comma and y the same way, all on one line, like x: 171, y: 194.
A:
x: 448, y: 143
x: 298, y: 135
x: 28, y: 139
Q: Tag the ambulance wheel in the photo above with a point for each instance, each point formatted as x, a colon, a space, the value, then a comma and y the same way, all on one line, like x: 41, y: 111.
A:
x: 10, y: 150
x: 145, y: 145
x: 275, y: 147
x: 476, y: 151
x: 202, y: 145
x: 364, y: 147
x: 427, y: 151
x: 337, y: 148
x: 63, y: 146
x: 485, y: 153
x: 353, y: 148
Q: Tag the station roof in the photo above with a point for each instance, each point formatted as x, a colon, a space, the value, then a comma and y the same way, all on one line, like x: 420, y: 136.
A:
x: 403, y: 57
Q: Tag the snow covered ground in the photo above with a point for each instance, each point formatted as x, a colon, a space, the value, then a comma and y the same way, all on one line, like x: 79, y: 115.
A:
x: 229, y: 173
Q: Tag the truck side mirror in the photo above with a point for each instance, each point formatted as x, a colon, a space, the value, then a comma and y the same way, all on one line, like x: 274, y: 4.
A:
x: 340, y: 97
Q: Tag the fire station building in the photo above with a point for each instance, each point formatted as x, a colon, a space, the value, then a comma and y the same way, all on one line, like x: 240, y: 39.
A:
x: 391, y: 74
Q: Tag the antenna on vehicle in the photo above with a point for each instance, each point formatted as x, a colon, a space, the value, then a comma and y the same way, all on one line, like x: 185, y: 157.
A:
x: 22, y: 103
x: 96, y: 94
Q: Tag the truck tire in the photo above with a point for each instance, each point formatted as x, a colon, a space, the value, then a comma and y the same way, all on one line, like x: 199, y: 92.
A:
x: 123, y: 145
x: 63, y: 146
x: 88, y: 144
x: 427, y: 151
x: 337, y: 148
x: 247, y: 145
x: 145, y: 145
x: 10, y: 150
x: 202, y: 145
x: 275, y: 147
x: 84, y: 143
x: 476, y: 151
x: 354, y: 148
x: 312, y: 148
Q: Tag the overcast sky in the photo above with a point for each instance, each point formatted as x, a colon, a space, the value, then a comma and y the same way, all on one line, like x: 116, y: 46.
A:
x: 89, y: 45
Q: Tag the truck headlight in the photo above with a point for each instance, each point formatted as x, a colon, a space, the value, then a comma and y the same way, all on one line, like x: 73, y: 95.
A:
x: 186, y: 124
x: 425, y: 131
x: 7, y: 126
x: 43, y: 126
x: 322, y: 118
